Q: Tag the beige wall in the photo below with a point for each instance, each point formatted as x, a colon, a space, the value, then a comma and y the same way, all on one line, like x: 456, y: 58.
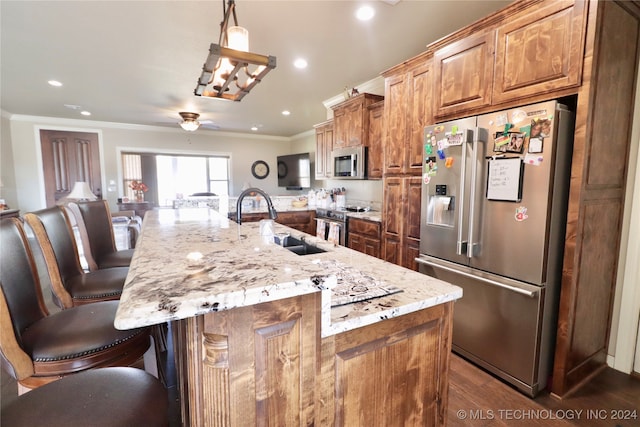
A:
x: 7, y: 175
x: 21, y: 160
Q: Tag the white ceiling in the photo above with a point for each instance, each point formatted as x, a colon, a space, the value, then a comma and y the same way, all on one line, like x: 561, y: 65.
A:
x: 138, y: 61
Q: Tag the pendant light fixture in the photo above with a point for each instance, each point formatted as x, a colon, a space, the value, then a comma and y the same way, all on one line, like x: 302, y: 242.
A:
x: 231, y: 71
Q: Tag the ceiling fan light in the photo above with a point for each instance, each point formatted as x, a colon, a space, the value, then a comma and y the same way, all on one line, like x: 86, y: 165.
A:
x: 190, y: 125
x: 189, y: 121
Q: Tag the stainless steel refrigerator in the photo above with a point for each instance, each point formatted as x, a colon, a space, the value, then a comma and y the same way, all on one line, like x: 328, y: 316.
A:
x: 494, y: 196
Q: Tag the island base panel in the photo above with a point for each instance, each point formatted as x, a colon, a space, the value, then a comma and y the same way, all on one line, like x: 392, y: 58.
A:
x: 266, y: 365
x: 392, y: 373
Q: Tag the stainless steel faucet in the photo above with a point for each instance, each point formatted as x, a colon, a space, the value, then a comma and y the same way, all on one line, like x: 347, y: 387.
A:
x: 272, y: 212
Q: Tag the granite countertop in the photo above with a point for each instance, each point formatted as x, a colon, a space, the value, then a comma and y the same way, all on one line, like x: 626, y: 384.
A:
x: 369, y: 215
x: 190, y: 262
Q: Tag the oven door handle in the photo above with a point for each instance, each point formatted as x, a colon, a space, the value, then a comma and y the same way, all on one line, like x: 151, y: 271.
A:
x: 330, y: 220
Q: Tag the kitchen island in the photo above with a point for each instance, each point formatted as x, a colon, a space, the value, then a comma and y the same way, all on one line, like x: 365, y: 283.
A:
x: 269, y: 337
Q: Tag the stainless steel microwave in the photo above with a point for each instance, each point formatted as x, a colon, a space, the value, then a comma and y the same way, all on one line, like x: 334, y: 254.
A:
x: 349, y: 163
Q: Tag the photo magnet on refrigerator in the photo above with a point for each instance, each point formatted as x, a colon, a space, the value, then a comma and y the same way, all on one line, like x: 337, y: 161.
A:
x: 430, y: 165
x: 521, y: 214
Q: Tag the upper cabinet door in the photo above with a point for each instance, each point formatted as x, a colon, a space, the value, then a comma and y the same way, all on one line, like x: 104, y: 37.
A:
x: 340, y: 128
x: 395, y: 122
x: 463, y: 74
x: 376, y: 131
x: 540, y: 51
x: 351, y: 121
x: 408, y: 109
x: 324, y: 145
x: 420, y: 115
x: 355, y: 129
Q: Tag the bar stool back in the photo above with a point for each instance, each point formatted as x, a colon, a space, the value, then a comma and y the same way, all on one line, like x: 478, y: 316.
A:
x: 37, y: 347
x: 71, y: 285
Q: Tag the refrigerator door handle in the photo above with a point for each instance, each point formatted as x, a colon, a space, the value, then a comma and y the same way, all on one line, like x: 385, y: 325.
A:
x: 461, y: 245
x: 473, y: 245
x: 530, y: 294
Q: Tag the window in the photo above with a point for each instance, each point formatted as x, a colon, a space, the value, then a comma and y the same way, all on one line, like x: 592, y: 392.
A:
x: 176, y: 176
x: 131, y: 171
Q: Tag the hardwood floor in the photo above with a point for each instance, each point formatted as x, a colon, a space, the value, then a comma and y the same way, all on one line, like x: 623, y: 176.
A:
x: 477, y: 399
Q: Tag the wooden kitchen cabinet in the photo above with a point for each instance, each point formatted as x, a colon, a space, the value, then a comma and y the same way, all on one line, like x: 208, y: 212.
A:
x: 340, y: 128
x: 324, y: 145
x: 408, y: 109
x: 364, y: 236
x: 396, y: 94
x: 463, y: 74
x: 300, y: 220
x: 351, y: 121
x: 539, y: 51
x: 376, y: 148
x: 527, y: 51
x: 411, y: 226
x: 392, y: 217
x: 401, y: 213
x: 599, y: 180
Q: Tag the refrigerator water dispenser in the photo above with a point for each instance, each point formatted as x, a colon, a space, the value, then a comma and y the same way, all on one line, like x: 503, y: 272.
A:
x: 440, y: 211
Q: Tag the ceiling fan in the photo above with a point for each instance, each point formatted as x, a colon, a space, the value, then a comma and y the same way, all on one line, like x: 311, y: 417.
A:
x: 191, y: 123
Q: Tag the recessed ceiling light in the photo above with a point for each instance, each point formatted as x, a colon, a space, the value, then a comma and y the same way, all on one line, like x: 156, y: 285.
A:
x: 54, y: 83
x: 286, y: 112
x: 365, y: 13
x: 300, y: 63
x: 254, y: 128
x: 85, y: 113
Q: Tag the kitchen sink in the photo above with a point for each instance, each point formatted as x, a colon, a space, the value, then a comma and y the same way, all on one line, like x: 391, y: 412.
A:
x: 297, y: 246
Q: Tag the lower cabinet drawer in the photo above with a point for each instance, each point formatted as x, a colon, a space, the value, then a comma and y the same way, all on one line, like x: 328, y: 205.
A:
x: 364, y: 236
x: 366, y: 227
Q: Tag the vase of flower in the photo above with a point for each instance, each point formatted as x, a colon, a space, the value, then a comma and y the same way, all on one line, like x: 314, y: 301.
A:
x: 139, y: 189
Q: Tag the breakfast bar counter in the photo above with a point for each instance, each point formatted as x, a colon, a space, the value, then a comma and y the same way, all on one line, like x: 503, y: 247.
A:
x: 269, y: 337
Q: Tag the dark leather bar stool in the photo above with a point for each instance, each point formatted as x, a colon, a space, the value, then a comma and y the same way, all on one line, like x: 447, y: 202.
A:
x: 96, y: 232
x: 37, y: 347
x: 106, y: 397
x: 70, y: 284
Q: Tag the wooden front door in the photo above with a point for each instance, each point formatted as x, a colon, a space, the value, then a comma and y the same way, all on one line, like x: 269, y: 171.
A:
x: 68, y: 157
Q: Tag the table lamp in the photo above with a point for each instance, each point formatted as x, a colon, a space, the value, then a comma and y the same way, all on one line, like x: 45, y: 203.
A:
x: 81, y: 191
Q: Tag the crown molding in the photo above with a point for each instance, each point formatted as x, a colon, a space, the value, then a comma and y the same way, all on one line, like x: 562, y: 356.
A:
x: 57, y: 121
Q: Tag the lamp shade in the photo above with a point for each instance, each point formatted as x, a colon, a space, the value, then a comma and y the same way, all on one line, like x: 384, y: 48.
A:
x: 81, y: 191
